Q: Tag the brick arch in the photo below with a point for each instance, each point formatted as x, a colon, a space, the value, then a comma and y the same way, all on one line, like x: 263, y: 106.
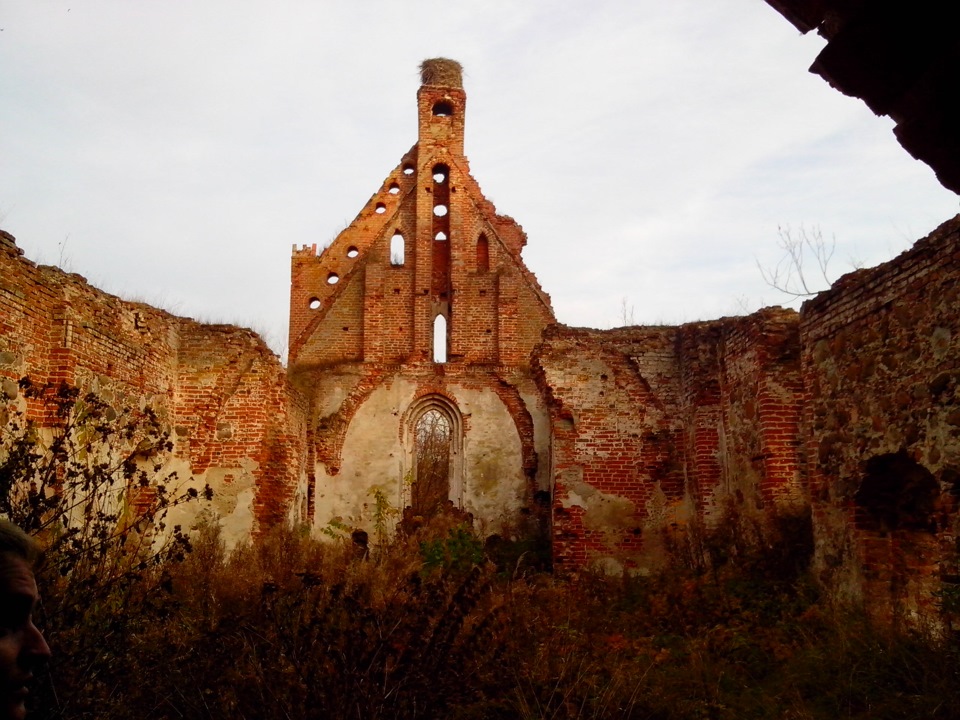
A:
x: 331, y: 430
x: 510, y: 397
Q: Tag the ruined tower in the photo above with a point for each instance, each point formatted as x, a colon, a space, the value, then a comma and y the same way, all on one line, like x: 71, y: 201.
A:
x: 415, y: 327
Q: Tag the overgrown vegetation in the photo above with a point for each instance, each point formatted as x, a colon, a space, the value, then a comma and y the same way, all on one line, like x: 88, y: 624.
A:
x: 426, y: 626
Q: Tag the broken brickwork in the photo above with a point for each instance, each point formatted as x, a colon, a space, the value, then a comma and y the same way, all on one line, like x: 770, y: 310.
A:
x: 851, y: 407
x: 653, y: 427
x: 423, y: 302
x: 220, y: 390
x: 881, y: 425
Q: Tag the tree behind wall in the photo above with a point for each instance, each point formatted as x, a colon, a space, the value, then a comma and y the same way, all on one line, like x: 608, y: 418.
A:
x: 431, y: 488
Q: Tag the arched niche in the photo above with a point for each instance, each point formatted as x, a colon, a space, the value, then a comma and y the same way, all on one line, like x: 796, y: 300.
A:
x: 895, y: 516
x: 483, y: 254
x: 896, y: 494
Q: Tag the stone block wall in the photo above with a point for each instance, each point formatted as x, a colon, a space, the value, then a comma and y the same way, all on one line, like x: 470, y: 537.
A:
x: 224, y: 395
x: 881, y: 424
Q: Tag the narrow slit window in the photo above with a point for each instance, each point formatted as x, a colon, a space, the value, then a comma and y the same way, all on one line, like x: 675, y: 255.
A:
x: 483, y: 254
x: 440, y: 339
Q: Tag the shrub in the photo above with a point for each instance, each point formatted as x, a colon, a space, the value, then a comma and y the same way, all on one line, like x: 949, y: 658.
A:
x: 88, y: 479
x: 426, y: 627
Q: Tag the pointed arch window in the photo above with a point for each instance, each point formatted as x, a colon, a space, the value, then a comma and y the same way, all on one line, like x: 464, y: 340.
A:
x: 431, y: 487
x: 434, y: 439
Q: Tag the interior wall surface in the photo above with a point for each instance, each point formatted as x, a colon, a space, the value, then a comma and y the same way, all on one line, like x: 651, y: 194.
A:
x: 489, y: 480
x: 220, y: 391
x: 653, y: 427
x: 881, y: 423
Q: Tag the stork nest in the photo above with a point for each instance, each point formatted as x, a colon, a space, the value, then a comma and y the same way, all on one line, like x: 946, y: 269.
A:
x: 441, y: 71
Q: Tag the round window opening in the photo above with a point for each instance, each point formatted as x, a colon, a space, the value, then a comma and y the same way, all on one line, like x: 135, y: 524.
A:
x: 352, y: 252
x: 314, y: 303
x: 394, y: 189
x: 333, y: 279
x: 440, y: 210
x: 443, y: 108
x: 381, y: 208
x: 408, y: 169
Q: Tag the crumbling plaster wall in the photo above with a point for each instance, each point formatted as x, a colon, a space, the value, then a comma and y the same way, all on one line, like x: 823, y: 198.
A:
x: 233, y: 418
x: 653, y: 426
x: 361, y: 429
x: 881, y: 366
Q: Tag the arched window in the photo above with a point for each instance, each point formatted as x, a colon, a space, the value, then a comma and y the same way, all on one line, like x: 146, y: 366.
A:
x: 396, y: 249
x: 434, y: 440
x: 440, y: 339
x: 431, y: 486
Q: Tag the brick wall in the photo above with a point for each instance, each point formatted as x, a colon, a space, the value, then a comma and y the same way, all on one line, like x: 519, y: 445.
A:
x: 222, y: 391
x: 654, y: 426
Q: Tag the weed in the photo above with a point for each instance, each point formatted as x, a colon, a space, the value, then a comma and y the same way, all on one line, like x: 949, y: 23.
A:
x: 426, y: 627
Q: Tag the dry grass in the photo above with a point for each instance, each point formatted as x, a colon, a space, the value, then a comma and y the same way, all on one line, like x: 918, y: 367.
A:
x: 293, y: 628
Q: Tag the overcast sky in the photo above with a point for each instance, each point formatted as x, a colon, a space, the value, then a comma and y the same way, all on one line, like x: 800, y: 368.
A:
x: 173, y: 152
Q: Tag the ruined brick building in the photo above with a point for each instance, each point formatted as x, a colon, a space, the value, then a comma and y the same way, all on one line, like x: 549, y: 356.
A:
x: 848, y: 407
x: 422, y: 311
x: 426, y: 368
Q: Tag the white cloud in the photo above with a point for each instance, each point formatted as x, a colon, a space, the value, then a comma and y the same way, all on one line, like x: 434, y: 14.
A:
x: 649, y: 152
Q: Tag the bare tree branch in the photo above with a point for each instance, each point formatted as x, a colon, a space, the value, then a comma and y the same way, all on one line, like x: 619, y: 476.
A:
x: 804, y: 268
